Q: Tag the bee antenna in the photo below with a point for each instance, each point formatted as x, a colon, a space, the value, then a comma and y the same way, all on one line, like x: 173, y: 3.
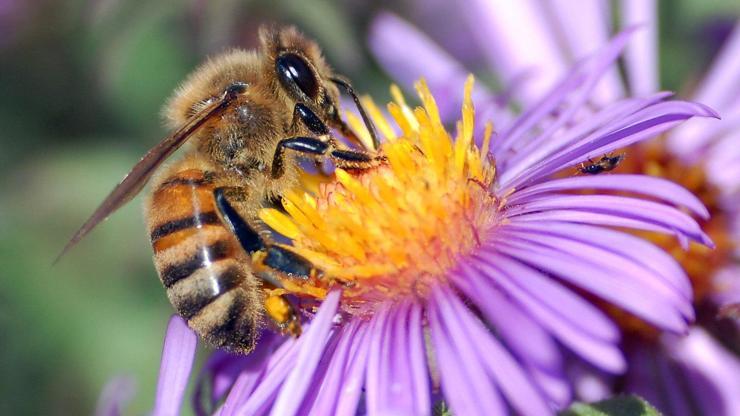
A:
x: 368, y: 123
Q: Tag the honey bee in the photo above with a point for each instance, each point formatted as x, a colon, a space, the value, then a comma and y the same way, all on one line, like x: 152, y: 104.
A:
x: 249, y: 117
x: 605, y: 164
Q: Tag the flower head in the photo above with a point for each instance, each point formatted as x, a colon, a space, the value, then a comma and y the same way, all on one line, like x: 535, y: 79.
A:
x: 460, y: 267
x: 394, y: 232
x: 520, y: 41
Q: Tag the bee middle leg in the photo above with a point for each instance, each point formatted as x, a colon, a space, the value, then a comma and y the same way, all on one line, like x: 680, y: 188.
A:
x: 273, y: 256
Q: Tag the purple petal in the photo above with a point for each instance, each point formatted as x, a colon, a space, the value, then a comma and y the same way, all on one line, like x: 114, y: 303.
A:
x: 511, y: 379
x: 633, y: 249
x: 642, y: 378
x: 598, y: 278
x: 327, y: 394
x: 644, y: 124
x: 642, y: 184
x: 516, y: 40
x: 554, y: 385
x: 528, y: 341
x: 379, y: 351
x: 631, y: 272
x: 641, y: 55
x: 467, y: 388
x: 544, y: 295
x: 603, y: 354
x: 224, y: 369
x: 418, y: 362
x: 579, y: 82
x: 259, y: 390
x: 542, y: 146
x: 721, y: 85
x: 727, y: 286
x: 712, y: 370
x: 653, y: 212
x: 594, y: 218
x: 115, y: 395
x: 309, y: 354
x: 585, y: 27
x: 523, y: 335
x: 675, y: 397
x: 355, y: 374
x: 393, y: 386
x: 408, y: 55
x: 321, y: 374
x: 722, y: 158
x: 178, y: 354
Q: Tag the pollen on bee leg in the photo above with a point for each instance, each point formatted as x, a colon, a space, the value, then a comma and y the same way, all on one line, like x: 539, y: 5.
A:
x: 279, y: 309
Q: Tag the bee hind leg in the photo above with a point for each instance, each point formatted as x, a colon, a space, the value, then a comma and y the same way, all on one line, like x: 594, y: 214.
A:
x: 272, y: 256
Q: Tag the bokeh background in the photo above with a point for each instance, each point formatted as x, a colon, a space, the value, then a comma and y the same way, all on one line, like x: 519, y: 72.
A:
x: 81, y: 85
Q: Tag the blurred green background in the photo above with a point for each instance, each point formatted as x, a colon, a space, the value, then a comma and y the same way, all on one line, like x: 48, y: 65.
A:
x: 81, y: 85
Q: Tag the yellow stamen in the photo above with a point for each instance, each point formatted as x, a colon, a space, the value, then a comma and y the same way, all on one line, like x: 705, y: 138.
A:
x: 393, y: 231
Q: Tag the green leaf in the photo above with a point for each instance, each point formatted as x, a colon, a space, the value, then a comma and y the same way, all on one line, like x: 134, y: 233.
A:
x: 616, y: 406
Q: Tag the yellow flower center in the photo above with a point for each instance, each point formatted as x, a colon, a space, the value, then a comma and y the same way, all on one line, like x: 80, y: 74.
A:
x: 391, y: 232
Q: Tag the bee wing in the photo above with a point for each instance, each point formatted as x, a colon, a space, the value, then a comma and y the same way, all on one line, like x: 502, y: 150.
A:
x: 135, y: 180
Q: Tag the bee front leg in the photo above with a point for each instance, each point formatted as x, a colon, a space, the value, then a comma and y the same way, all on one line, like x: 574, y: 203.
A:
x: 272, y: 256
x: 315, y: 147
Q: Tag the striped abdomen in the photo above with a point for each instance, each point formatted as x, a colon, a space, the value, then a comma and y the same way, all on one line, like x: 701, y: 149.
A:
x: 200, y: 263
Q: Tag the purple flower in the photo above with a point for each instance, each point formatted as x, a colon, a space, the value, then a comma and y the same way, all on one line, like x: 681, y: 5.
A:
x: 461, y: 268
x: 178, y: 354
x: 521, y: 41
x: 115, y: 396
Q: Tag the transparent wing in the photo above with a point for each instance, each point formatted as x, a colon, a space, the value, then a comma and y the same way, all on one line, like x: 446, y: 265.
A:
x: 135, y: 180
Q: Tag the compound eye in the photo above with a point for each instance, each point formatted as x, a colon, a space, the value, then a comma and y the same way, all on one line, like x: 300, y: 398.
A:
x: 292, y: 69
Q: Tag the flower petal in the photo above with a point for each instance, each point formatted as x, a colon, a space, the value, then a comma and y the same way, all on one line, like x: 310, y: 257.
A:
x: 417, y: 56
x: 650, y: 186
x: 545, y: 294
x: 311, y: 349
x: 467, y: 388
x: 598, y: 278
x: 641, y: 55
x: 247, y: 398
x: 713, y: 370
x: 541, y: 144
x: 522, y: 334
x: 354, y: 377
x: 115, y: 395
x: 516, y: 39
x: 721, y: 86
x: 644, y: 124
x: 393, y: 386
x: 655, y: 213
x: 585, y: 27
x: 633, y: 249
x: 178, y: 354
x: 579, y: 83
x: 601, y: 353
x: 511, y: 379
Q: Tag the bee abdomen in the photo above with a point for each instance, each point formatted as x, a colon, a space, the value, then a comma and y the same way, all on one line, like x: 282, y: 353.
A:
x: 197, y: 282
x: 200, y: 262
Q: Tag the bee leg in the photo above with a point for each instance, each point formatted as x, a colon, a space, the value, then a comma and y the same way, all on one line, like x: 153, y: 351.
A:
x: 344, y: 83
x: 315, y: 147
x: 311, y: 146
x: 275, y: 256
x: 272, y: 256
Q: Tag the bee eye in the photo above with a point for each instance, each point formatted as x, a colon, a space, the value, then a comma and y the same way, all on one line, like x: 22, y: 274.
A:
x: 292, y: 69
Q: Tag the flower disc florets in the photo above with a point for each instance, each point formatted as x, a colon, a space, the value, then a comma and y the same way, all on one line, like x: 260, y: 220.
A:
x: 393, y: 231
